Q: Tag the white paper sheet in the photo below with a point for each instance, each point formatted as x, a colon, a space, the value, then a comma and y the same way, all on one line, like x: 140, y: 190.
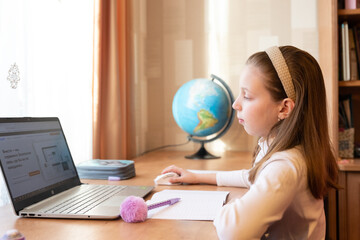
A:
x: 194, y: 205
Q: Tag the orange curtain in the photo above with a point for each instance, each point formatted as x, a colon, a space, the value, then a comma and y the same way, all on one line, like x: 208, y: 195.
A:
x: 110, y: 81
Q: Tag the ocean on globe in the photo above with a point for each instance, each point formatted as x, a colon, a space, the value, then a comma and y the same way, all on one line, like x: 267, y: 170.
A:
x: 201, y: 107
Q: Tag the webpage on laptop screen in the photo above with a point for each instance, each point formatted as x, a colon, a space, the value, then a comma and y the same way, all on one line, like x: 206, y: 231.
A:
x: 34, y: 157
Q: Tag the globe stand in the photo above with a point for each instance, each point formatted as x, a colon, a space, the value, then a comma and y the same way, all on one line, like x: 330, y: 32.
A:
x: 202, y: 153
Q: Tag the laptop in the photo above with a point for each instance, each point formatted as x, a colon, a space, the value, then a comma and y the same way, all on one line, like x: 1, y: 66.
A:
x: 42, y: 179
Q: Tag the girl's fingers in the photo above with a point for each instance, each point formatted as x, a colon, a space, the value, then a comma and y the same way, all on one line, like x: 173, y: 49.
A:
x: 172, y: 168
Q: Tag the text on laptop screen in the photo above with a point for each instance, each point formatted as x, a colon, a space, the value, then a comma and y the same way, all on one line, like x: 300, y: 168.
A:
x: 34, y: 157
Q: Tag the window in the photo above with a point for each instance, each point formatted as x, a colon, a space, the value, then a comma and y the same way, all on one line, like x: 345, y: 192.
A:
x: 48, y: 46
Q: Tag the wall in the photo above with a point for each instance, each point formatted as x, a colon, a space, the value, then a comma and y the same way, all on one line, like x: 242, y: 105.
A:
x: 176, y: 41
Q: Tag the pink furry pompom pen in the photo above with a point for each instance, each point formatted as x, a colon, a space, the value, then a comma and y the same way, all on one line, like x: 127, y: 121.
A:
x: 134, y: 209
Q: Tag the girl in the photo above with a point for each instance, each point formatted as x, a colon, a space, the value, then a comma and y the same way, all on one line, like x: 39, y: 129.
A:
x: 282, y: 100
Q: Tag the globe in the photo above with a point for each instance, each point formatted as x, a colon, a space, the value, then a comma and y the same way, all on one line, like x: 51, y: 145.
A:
x: 202, y: 108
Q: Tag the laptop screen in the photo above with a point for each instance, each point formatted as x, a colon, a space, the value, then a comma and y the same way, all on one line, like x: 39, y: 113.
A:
x: 35, y: 159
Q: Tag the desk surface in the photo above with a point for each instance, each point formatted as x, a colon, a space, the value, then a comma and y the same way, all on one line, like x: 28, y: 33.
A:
x: 147, y: 168
x: 349, y: 165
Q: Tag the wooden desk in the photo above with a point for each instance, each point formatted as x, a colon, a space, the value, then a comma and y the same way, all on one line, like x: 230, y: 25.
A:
x: 147, y: 168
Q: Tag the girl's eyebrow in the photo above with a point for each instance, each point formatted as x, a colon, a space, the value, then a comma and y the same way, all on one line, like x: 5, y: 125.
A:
x: 245, y: 89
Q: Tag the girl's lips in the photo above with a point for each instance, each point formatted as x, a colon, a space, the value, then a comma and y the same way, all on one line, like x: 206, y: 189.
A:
x: 241, y: 121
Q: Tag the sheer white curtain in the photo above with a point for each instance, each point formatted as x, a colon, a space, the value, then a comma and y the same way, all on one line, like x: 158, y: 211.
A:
x: 51, y: 43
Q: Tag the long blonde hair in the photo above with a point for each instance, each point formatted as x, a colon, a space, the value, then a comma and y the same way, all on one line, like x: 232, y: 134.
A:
x: 307, y: 124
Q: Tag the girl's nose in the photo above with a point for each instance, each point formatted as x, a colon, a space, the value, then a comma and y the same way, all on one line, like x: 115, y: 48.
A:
x: 236, y: 105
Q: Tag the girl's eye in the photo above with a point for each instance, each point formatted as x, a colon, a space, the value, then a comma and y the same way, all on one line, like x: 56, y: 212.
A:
x: 246, y: 97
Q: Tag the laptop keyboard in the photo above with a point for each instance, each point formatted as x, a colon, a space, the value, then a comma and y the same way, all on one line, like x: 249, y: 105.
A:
x: 87, y: 200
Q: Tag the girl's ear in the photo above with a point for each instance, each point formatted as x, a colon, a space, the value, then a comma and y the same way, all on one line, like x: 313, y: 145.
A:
x: 286, y: 107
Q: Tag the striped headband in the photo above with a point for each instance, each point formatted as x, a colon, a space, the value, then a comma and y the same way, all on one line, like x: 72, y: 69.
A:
x: 282, y: 70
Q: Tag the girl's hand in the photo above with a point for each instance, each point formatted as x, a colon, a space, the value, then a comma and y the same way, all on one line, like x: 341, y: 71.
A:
x: 184, y: 175
x: 189, y: 177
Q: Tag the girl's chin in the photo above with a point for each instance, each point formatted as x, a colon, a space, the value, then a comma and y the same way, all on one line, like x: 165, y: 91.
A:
x: 251, y: 133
